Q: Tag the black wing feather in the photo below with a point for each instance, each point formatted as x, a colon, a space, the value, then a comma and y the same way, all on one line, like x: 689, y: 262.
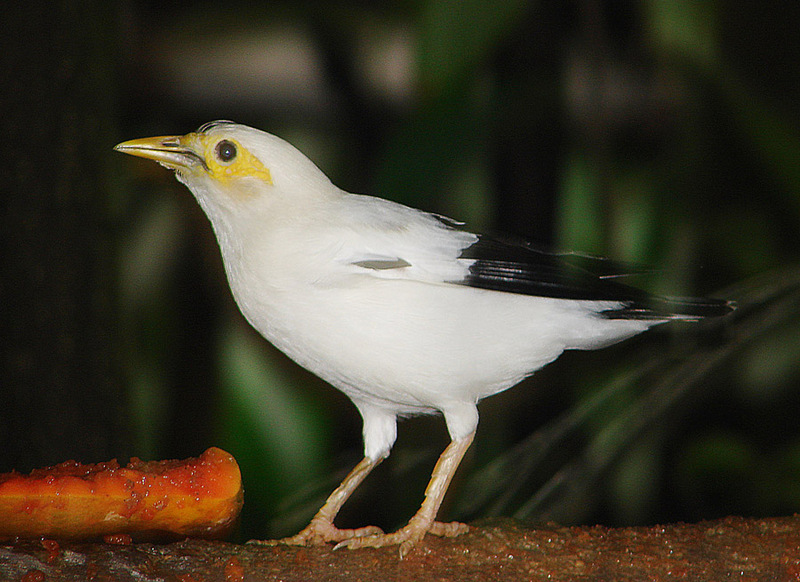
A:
x: 518, y: 267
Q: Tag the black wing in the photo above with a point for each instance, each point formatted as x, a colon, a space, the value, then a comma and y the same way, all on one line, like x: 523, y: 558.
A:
x: 518, y: 267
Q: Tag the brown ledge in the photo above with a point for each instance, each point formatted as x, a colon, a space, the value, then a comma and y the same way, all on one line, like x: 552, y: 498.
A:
x: 730, y: 549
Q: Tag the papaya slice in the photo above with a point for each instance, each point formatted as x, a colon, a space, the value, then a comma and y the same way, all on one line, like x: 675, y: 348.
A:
x: 198, y: 497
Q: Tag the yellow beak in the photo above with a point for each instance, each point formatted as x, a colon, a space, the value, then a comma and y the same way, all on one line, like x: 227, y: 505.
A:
x: 169, y: 151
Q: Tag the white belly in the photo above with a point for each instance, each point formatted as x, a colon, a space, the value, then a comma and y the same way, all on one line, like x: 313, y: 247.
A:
x: 415, y: 347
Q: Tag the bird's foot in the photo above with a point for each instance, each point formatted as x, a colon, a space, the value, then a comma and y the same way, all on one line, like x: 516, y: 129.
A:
x: 406, y: 537
x: 319, y: 532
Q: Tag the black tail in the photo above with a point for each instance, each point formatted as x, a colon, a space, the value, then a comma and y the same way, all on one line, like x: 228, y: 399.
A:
x: 686, y: 308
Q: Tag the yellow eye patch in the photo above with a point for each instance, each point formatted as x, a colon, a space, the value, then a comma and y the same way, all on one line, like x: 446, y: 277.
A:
x: 226, y: 159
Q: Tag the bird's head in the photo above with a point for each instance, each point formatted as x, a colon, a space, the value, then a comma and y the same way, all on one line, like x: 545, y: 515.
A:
x: 229, y: 166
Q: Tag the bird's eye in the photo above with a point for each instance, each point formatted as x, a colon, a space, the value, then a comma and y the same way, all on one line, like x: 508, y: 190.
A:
x: 226, y: 150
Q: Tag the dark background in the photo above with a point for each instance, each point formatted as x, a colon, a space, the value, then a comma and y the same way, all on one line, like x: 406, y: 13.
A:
x: 661, y: 133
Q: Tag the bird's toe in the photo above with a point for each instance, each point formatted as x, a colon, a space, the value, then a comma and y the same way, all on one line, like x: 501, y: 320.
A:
x: 448, y: 529
x: 319, y: 533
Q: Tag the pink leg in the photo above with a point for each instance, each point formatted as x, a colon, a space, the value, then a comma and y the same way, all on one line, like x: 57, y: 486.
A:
x: 321, y: 528
x: 424, y: 520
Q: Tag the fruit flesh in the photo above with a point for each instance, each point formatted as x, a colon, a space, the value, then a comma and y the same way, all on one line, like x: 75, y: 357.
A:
x: 193, y: 497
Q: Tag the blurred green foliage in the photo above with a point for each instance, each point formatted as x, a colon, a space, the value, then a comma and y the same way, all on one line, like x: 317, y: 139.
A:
x: 663, y: 133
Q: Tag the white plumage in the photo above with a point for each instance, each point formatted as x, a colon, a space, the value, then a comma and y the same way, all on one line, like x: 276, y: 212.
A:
x: 397, y: 308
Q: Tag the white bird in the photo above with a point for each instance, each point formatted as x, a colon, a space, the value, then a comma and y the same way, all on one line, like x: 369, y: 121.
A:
x: 399, y: 309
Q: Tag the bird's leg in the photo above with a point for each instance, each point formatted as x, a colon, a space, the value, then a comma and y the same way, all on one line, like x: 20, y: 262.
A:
x: 424, y: 520
x: 321, y: 528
